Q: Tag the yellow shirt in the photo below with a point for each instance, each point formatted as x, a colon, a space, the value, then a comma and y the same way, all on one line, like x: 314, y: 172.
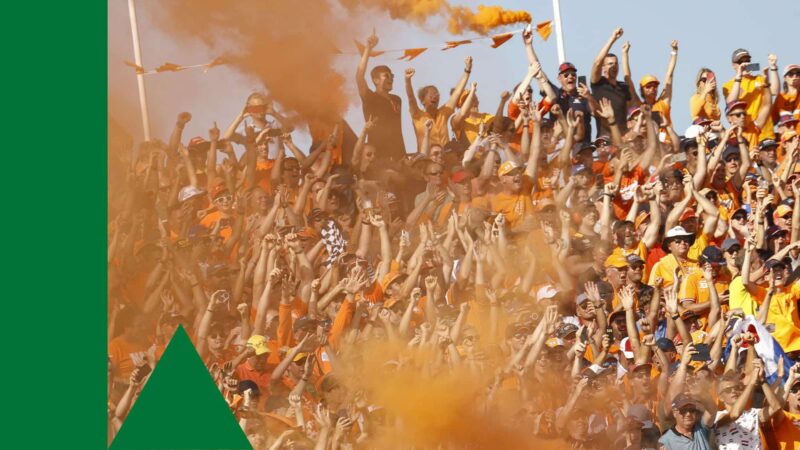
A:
x: 783, y: 313
x: 471, y: 125
x: 740, y: 297
x: 662, y: 107
x: 752, y: 92
x: 700, y: 244
x: 439, y: 133
x: 665, y: 269
x: 706, y: 107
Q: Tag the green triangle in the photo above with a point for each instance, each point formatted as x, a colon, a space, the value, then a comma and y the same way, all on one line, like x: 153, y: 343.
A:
x: 180, y: 407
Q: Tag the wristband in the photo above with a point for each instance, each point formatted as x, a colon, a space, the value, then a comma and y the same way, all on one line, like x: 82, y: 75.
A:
x: 467, y: 71
x: 675, y: 317
x: 611, y: 124
x: 738, y: 80
x: 674, y: 53
x: 773, y: 69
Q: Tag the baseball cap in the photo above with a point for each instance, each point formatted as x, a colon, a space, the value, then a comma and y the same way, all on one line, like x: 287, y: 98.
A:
x: 199, y: 144
x: 579, y: 168
x: 640, y: 218
x: 730, y: 106
x: 614, y: 314
x: 546, y: 292
x: 554, y: 342
x: 787, y: 119
x: 729, y: 243
x: 687, y: 142
x: 460, y: 176
x: 507, y: 167
x: 218, y: 269
x: 666, y: 345
x: 566, y: 329
x: 774, y: 262
x: 602, y: 140
x: 633, y: 110
x: 767, y: 143
x: 626, y: 348
x: 775, y: 231
x: 188, y: 192
x: 738, y: 54
x: 730, y: 150
x: 702, y: 121
x: 582, y: 297
x: 390, y: 278
x: 259, y: 344
x: 304, y: 322
x: 616, y: 260
x: 647, y: 79
x: 739, y: 213
x: 565, y: 66
x: 687, y: 214
x: 581, y: 147
x: 781, y: 211
x: 633, y: 258
x: 682, y: 400
x: 790, y: 68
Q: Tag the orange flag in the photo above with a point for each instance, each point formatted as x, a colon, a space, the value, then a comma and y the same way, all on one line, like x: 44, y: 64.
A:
x: 544, y: 29
x: 411, y: 53
x: 500, y: 39
x: 361, y: 47
x: 214, y: 63
x: 139, y: 69
x: 169, y: 67
x: 453, y: 44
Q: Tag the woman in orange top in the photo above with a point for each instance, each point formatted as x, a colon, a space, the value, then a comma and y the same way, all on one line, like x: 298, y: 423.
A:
x: 787, y: 102
x: 705, y: 101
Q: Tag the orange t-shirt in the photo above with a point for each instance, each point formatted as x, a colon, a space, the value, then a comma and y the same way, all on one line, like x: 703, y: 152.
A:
x: 515, y: 207
x: 126, y: 356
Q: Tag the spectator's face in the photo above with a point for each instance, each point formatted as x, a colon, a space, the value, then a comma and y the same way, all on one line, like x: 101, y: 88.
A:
x: 779, y: 274
x: 730, y: 254
x: 258, y: 362
x: 260, y: 201
x: 743, y: 60
x: 589, y: 218
x: 626, y: 236
x: 463, y: 187
x: 641, y: 382
x: 369, y: 153
x: 585, y: 311
x: 437, y: 154
x: 291, y: 171
x: 794, y: 398
x: 224, y: 201
x: 619, y: 326
x: 611, y: 67
x: 568, y: 80
x: 433, y: 174
x: 737, y: 117
x: 691, y: 156
x: 383, y: 81
x: 650, y: 90
x: 785, y: 222
x: 679, y: 246
x: 216, y: 340
x: 686, y: 416
x: 729, y: 391
x: 431, y: 98
x: 792, y: 79
x: 512, y: 182
x: 690, y: 224
x: 635, y: 272
x: 768, y: 155
x: 672, y: 189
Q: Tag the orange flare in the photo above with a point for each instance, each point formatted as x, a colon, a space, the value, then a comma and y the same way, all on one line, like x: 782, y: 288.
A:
x: 486, y: 19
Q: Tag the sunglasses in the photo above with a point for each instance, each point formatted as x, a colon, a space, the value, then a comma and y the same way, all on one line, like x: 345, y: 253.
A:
x: 732, y: 158
x: 702, y: 80
x: 434, y: 174
x: 739, y: 114
x: 793, y: 74
x: 682, y: 240
x: 731, y: 389
x: 795, y: 389
x: 686, y: 411
x: 636, y: 267
x: 224, y: 198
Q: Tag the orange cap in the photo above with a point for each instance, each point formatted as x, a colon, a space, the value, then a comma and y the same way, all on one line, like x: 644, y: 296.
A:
x: 616, y: 260
x: 647, y: 79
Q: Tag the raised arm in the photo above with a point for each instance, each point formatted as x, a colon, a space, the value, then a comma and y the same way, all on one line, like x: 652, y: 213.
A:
x: 462, y: 83
x: 626, y: 71
x: 361, y: 81
x: 666, y: 90
x: 597, y: 65
x: 413, y: 107
x: 774, y: 80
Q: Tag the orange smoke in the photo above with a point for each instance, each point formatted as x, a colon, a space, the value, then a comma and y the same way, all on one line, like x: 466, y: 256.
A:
x: 486, y: 19
x: 287, y: 46
x: 461, y: 18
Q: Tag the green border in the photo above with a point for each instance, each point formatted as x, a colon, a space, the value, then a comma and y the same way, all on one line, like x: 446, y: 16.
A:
x: 55, y: 75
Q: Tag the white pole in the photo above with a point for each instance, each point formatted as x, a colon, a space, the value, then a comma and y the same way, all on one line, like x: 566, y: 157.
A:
x: 562, y: 56
x: 137, y: 54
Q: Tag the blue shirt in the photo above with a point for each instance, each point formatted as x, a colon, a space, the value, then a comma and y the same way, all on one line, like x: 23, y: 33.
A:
x: 672, y: 440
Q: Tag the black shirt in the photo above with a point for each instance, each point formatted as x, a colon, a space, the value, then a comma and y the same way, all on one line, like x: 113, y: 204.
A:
x: 575, y: 102
x: 619, y: 96
x: 387, y: 134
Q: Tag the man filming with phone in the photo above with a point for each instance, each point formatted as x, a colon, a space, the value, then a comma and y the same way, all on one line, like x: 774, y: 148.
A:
x: 753, y: 89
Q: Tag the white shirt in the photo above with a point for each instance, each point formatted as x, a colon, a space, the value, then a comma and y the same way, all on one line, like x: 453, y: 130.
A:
x: 741, y: 434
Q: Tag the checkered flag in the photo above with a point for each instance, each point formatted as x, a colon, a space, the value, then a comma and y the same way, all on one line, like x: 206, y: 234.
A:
x: 334, y: 242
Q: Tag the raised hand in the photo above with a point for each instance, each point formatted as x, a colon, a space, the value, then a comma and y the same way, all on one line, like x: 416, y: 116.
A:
x: 184, y: 118
x: 410, y: 73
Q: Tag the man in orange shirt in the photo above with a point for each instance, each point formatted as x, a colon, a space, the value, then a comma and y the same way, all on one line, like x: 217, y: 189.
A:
x: 697, y: 294
x: 514, y: 200
x: 677, y: 242
x: 736, y: 113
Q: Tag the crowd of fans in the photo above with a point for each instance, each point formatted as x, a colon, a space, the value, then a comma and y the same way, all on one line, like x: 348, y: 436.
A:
x: 570, y: 268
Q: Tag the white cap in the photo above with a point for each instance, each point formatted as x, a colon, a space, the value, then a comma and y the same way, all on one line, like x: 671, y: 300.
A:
x: 693, y: 131
x: 677, y: 232
x: 623, y: 344
x: 188, y: 192
x: 546, y: 292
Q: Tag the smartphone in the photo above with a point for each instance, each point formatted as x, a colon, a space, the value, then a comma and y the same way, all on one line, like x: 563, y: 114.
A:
x: 143, y: 371
x: 656, y: 116
x: 610, y: 333
x: 584, y: 337
x: 677, y: 157
x: 752, y: 67
x: 275, y: 132
x: 703, y: 353
x: 582, y: 80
